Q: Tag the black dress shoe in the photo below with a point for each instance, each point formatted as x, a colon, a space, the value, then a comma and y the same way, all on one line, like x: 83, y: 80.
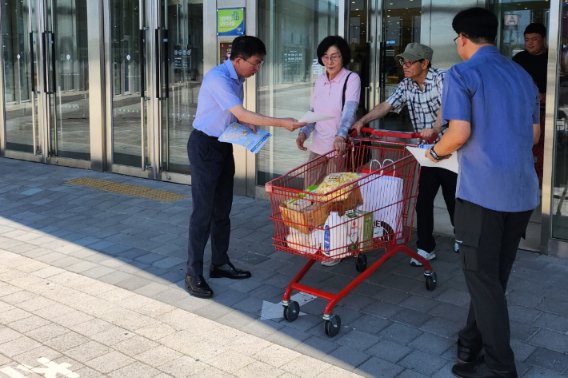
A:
x: 229, y: 271
x: 467, y: 355
x: 479, y: 369
x: 198, y: 287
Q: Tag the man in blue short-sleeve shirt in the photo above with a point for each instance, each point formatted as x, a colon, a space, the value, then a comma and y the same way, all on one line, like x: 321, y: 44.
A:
x: 492, y: 108
x: 219, y: 104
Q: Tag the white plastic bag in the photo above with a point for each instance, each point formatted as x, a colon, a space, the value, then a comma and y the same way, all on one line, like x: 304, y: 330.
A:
x: 382, y: 195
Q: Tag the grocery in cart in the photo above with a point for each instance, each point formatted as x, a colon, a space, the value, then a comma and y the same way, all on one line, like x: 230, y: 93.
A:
x: 344, y: 206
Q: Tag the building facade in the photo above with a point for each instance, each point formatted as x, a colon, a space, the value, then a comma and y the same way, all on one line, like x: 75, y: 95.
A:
x: 112, y: 85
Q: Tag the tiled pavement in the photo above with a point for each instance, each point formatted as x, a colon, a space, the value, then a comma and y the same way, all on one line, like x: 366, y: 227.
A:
x: 82, y: 272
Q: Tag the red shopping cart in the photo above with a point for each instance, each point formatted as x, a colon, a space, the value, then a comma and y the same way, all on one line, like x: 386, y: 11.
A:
x: 339, y: 206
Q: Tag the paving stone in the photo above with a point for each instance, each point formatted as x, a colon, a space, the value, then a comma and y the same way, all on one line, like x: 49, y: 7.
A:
x: 109, y: 362
x: 433, y: 344
x: 442, y: 327
x: 548, y: 359
x: 535, y: 372
x: 87, y: 351
x: 400, y: 333
x: 521, y: 331
x: 376, y: 367
x: 523, y: 314
x: 450, y: 311
x: 422, y: 362
x: 382, y: 309
x: 411, y: 317
x: 389, y: 351
x: 550, y: 340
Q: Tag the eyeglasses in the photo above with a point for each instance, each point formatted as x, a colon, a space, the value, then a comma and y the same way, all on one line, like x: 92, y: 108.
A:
x: 332, y: 57
x: 456, y: 40
x: 257, y: 65
x: 408, y: 64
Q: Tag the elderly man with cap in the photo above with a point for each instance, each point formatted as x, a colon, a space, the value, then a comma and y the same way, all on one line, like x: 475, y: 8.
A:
x: 421, y: 92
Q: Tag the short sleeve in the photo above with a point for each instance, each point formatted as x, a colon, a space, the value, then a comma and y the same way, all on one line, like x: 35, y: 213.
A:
x: 353, y: 90
x: 398, y: 98
x: 222, y: 91
x: 456, y: 102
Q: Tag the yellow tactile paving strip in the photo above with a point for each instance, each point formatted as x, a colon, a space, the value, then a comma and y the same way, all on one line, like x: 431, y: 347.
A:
x: 131, y: 190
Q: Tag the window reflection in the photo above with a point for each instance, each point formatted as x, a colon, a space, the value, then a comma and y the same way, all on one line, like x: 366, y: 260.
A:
x: 291, y: 30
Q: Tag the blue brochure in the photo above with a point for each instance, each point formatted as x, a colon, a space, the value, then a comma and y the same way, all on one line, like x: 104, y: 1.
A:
x: 243, y: 136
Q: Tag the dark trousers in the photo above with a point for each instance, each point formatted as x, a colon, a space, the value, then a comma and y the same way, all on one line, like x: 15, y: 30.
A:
x: 431, y: 179
x: 489, y: 241
x: 212, y: 174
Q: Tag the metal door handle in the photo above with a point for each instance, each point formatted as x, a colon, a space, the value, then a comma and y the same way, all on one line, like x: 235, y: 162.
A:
x: 367, y: 105
x: 43, y: 42
x: 49, y: 70
x: 165, y: 62
x: 52, y: 42
x: 141, y: 64
x: 32, y: 68
x: 157, y: 60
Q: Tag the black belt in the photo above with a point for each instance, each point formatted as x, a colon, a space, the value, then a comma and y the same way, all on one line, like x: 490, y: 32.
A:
x: 205, y: 135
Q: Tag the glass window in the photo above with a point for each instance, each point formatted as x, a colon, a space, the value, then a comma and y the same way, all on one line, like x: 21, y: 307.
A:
x: 291, y: 30
x: 559, y: 209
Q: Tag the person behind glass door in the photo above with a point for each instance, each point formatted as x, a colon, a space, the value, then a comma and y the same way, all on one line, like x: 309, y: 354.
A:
x: 219, y: 104
x: 421, y: 92
x: 493, y: 111
x: 328, y: 96
x: 535, y: 57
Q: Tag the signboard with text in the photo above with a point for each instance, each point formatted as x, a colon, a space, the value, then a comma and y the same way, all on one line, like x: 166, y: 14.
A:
x: 231, y: 21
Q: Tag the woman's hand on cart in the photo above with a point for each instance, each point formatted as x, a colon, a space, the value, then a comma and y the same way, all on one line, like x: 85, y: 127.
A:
x: 339, y: 145
x: 300, y: 141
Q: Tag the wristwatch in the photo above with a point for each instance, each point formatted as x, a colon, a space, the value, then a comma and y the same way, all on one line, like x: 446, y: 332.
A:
x: 435, y: 155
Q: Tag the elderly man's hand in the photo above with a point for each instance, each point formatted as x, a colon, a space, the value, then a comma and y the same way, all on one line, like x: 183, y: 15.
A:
x: 358, y: 126
x: 426, y: 134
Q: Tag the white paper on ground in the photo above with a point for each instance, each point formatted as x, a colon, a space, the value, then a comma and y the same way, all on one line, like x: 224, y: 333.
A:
x: 419, y: 153
x: 310, y: 117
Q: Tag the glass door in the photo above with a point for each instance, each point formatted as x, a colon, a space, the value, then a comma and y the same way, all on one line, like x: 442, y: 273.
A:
x: 128, y: 46
x: 20, y: 52
x: 66, y: 82
x: 180, y: 73
x: 156, y: 69
x: 378, y: 31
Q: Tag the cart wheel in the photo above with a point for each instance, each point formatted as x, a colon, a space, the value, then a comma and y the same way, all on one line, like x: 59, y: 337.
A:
x: 361, y: 263
x: 333, y: 325
x: 431, y: 281
x: 291, y: 311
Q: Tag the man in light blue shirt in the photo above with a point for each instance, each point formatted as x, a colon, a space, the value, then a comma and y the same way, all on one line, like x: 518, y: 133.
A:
x: 492, y: 108
x: 219, y: 104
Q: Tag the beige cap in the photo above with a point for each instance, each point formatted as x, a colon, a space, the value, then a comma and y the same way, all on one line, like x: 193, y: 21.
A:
x: 416, y: 51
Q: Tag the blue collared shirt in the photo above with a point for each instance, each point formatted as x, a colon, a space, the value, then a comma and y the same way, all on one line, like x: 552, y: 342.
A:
x: 500, y: 101
x: 221, y: 90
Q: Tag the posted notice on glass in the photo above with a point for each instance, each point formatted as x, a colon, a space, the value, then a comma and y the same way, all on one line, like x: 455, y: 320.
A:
x: 243, y: 136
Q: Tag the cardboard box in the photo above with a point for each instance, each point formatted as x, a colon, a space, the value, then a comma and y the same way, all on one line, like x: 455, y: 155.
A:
x: 307, y: 218
x: 352, y: 200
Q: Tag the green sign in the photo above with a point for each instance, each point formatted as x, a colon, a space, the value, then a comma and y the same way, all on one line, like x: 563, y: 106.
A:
x: 231, y: 21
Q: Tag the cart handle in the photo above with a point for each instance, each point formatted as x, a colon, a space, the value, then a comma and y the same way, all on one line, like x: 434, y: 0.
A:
x: 395, y: 134
x: 390, y: 133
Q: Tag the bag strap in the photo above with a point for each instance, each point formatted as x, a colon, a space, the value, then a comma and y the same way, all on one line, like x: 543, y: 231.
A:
x: 344, y: 89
